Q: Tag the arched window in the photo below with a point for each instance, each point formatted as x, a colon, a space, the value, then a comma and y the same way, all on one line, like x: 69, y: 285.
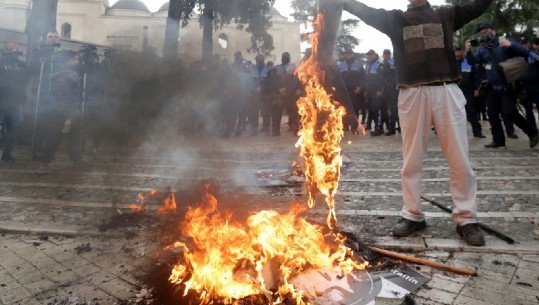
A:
x: 223, y: 40
x: 66, y: 30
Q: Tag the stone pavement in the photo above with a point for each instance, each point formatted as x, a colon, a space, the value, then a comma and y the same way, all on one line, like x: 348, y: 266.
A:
x: 52, y: 251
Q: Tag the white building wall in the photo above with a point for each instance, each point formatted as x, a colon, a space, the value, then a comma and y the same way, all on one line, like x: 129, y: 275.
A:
x: 92, y: 21
x: 13, y: 14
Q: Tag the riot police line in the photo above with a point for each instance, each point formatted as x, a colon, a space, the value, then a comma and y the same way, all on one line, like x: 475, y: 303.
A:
x: 28, y: 97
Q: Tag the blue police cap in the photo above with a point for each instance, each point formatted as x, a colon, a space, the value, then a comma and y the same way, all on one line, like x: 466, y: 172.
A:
x: 484, y: 25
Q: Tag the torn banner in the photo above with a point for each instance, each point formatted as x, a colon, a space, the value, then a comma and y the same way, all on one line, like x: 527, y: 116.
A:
x: 330, y: 287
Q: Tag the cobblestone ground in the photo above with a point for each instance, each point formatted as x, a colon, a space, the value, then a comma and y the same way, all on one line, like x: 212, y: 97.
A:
x: 53, y: 252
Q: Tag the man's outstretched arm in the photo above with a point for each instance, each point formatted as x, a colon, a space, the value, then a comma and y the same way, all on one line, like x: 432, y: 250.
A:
x: 377, y: 18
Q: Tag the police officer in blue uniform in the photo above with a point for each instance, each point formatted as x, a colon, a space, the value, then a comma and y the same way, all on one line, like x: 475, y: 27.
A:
x: 390, y: 94
x: 13, y: 79
x: 259, y: 97
x: 469, y: 84
x: 353, y: 76
x: 529, y: 87
x: 289, y: 89
x: 500, y: 96
x: 375, y: 85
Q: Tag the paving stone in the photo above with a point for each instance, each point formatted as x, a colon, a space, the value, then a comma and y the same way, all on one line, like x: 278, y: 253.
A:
x: 466, y: 260
x: 526, y: 293
x: 62, y: 256
x: 39, y: 285
x: 87, y: 291
x: 508, y: 299
x: 12, y: 261
x: 73, y: 261
x: 118, y: 288
x: 29, y: 301
x: 107, y: 262
x: 14, y: 294
x: 424, y: 301
x: 30, y: 278
x: 86, y: 270
x: 51, y: 249
x: 21, y: 247
x: 465, y: 300
x: 64, y: 276
x: 529, y: 265
x: 493, y: 276
x: 503, y: 264
x: 531, y: 259
x: 437, y: 295
x: 490, y: 284
x: 403, y: 244
x: 444, y: 284
x: 481, y: 293
x: 21, y: 270
x: 526, y: 277
x: 135, y: 277
x: 41, y: 261
x: 100, y: 277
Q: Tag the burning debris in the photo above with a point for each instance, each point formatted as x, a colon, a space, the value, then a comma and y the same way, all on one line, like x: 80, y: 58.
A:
x: 322, y: 130
x: 281, y: 258
x: 289, y: 176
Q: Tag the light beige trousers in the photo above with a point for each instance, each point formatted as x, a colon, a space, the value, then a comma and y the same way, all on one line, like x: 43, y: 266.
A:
x: 442, y: 106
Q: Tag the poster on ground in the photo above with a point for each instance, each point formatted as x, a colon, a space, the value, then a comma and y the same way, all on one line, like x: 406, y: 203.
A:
x: 331, y: 287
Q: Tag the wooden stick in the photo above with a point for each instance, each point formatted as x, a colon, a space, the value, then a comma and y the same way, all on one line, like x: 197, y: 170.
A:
x: 423, y: 262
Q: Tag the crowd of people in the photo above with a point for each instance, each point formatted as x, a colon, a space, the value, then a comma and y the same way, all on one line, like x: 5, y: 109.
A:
x: 251, y: 97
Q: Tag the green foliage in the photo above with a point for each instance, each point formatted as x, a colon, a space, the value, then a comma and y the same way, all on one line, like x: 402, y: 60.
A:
x: 305, y: 11
x: 345, y: 38
x: 250, y: 15
x: 516, y: 18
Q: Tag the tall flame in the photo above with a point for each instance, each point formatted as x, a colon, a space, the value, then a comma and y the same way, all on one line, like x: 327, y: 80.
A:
x: 226, y: 261
x: 230, y: 261
x: 322, y: 130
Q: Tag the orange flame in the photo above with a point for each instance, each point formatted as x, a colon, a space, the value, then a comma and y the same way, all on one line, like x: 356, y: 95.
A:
x: 321, y: 133
x: 227, y: 261
x: 169, y: 206
x: 231, y: 262
x: 136, y: 208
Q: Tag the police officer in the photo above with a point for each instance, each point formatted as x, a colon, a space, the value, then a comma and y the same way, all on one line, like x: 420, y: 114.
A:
x: 529, y: 87
x: 375, y: 84
x: 63, y: 115
x: 13, y: 79
x: 45, y: 63
x: 469, y: 84
x: 288, y: 88
x: 353, y: 76
x: 238, y: 85
x: 259, y: 99
x: 500, y: 96
x: 391, y: 94
x: 93, y: 87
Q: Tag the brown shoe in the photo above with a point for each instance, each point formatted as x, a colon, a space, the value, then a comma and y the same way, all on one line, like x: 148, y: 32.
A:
x: 471, y: 234
x: 405, y: 227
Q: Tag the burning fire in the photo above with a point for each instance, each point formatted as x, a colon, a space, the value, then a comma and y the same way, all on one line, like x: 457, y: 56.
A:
x: 169, y: 202
x: 225, y: 261
x: 230, y: 261
x: 322, y: 130
x: 142, y: 197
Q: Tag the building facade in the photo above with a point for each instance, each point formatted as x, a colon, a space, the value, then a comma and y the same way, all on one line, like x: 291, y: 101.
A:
x: 128, y: 24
